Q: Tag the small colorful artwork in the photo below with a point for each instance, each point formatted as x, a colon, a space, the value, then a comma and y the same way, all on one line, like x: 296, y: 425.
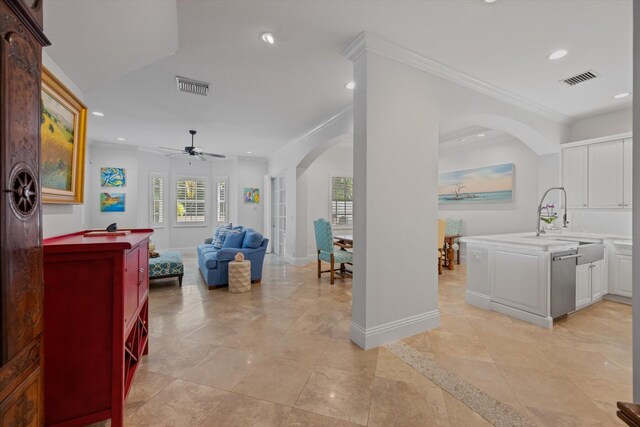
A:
x: 112, y: 202
x: 113, y: 177
x: 251, y: 195
x: 491, y: 184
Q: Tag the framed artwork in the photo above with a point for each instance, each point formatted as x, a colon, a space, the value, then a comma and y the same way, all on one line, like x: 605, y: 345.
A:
x: 112, y: 202
x: 251, y: 195
x: 63, y: 125
x: 491, y: 184
x: 113, y: 177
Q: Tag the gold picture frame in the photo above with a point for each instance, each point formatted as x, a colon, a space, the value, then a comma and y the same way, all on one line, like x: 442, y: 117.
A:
x: 63, y: 124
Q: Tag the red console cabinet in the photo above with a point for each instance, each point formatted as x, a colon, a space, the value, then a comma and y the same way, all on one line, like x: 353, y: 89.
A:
x: 96, y: 315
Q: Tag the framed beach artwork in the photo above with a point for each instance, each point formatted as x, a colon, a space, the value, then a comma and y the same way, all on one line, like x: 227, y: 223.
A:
x: 251, y: 195
x: 62, y: 138
x: 112, y: 202
x: 491, y: 184
x: 113, y: 177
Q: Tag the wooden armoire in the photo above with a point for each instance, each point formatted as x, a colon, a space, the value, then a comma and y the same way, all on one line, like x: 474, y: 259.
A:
x: 21, y: 308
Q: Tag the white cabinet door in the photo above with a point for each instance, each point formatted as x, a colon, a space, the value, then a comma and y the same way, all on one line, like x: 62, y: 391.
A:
x: 583, y: 285
x: 606, y: 175
x: 574, y: 175
x: 628, y: 171
x: 623, y: 283
x: 597, y: 279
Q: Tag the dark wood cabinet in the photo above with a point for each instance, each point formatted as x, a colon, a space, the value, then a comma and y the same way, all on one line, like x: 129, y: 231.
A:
x: 96, y: 312
x: 21, y: 293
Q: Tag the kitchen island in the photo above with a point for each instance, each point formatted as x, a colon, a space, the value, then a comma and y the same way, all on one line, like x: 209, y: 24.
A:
x: 512, y: 273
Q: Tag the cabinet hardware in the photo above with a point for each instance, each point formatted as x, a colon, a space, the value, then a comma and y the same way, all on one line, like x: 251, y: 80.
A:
x: 141, y: 270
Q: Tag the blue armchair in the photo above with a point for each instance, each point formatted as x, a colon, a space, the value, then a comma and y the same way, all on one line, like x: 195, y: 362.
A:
x: 214, y: 257
x: 327, y: 251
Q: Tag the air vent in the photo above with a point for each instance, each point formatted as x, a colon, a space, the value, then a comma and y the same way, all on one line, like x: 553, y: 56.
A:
x: 580, y: 78
x: 192, y: 86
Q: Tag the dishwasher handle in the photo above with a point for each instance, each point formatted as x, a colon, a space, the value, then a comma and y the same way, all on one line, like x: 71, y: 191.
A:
x: 562, y: 258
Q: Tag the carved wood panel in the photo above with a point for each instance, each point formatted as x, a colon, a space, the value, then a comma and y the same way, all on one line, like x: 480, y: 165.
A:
x: 21, y: 275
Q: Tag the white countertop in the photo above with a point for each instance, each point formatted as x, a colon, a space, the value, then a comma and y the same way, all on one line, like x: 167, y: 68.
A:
x: 550, y: 242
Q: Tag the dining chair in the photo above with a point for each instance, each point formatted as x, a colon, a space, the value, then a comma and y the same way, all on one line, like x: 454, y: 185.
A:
x: 327, y: 250
x: 442, y: 228
x: 454, y: 228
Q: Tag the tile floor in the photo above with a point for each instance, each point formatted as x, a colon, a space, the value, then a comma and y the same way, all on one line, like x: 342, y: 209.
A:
x: 280, y: 355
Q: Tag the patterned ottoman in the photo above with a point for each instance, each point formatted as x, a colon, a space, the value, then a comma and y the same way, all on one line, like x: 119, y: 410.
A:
x: 168, y: 264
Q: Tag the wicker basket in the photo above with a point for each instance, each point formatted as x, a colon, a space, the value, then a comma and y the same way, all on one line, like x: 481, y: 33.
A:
x: 239, y: 276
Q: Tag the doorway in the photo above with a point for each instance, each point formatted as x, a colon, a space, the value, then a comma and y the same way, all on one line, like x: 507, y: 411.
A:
x: 279, y: 215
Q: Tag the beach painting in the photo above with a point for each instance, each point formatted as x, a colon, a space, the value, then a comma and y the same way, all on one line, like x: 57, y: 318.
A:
x: 491, y: 184
x: 251, y: 195
x: 112, y: 202
x: 113, y: 177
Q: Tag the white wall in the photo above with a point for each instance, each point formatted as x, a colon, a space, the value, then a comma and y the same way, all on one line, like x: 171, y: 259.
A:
x: 495, y: 218
x: 606, y: 124
x: 140, y: 165
x: 63, y: 219
x: 337, y: 161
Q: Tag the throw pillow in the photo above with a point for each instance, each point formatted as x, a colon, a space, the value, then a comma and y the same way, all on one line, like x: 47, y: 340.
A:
x: 252, y: 239
x: 234, y: 239
x: 220, y: 239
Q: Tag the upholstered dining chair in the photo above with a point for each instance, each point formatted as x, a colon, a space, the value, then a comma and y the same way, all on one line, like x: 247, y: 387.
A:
x: 442, y: 228
x: 327, y: 250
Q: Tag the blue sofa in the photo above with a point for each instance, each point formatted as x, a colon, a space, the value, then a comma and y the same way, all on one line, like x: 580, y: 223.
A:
x: 214, y: 262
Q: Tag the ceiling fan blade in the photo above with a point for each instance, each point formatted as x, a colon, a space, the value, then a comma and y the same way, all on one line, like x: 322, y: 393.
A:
x: 172, y: 149
x: 201, y: 158
x: 220, y: 156
x: 174, y: 154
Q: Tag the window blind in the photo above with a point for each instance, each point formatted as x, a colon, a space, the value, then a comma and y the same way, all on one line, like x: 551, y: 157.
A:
x: 190, y: 201
x: 221, y: 200
x: 342, y: 201
x: 157, y: 200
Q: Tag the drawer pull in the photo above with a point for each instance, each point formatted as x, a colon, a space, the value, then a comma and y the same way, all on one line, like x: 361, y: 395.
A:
x: 141, y: 270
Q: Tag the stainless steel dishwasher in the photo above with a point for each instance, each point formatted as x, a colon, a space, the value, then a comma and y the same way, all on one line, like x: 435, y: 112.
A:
x: 563, y: 282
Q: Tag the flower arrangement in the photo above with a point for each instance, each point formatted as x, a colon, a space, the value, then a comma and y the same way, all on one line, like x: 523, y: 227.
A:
x: 548, y: 214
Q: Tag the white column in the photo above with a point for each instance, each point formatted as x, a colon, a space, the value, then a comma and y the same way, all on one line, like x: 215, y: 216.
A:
x: 395, y: 287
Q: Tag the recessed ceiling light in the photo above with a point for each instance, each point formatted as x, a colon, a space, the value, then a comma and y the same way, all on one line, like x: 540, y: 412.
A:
x: 490, y: 1
x: 97, y: 113
x: 249, y: 152
x: 120, y: 138
x: 481, y: 135
x: 267, y: 38
x: 350, y: 85
x: 558, y: 54
x: 462, y: 140
x: 621, y: 95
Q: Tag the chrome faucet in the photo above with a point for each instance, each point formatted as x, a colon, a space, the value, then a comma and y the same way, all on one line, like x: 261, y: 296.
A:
x: 539, y: 227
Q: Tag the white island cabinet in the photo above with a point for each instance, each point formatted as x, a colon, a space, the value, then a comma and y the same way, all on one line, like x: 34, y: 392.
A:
x: 511, y: 273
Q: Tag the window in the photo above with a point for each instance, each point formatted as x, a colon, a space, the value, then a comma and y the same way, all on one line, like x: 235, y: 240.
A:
x: 342, y: 201
x: 157, y: 201
x: 222, y: 212
x: 190, y: 201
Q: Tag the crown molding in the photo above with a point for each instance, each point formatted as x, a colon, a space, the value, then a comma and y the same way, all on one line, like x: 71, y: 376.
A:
x: 367, y: 42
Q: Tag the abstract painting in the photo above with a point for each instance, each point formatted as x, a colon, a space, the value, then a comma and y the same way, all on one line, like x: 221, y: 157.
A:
x: 491, y: 184
x: 112, y: 202
x: 251, y: 195
x: 62, y: 139
x: 113, y: 177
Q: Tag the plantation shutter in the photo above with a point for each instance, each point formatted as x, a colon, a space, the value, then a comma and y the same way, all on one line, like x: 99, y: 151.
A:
x: 342, y: 201
x: 157, y: 200
x: 190, y: 203
x: 221, y: 200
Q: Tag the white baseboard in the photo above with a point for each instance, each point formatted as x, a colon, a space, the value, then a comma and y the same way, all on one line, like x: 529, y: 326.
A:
x: 617, y: 298
x: 484, y: 301
x: 393, y: 331
x: 477, y: 299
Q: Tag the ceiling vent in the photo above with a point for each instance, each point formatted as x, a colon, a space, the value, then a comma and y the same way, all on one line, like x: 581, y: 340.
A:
x: 192, y: 86
x: 580, y: 78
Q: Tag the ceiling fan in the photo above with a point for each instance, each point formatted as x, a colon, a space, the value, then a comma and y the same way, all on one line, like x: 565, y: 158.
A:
x: 193, y: 150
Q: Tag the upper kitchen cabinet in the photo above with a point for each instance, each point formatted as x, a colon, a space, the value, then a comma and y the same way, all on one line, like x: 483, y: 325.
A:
x: 598, y: 174
x: 628, y: 171
x: 574, y: 176
x: 606, y: 175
